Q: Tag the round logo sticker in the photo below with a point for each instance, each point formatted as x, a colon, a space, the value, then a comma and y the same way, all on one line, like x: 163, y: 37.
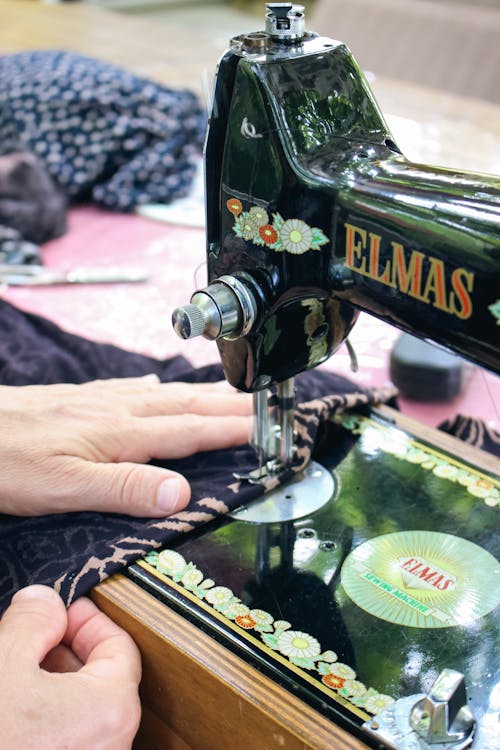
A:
x: 422, y: 579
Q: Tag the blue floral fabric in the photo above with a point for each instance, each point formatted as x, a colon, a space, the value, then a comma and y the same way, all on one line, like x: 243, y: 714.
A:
x: 101, y: 132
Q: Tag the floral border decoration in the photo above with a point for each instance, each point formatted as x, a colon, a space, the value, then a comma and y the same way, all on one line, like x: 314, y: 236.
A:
x: 290, y: 235
x: 299, y: 649
x: 495, y: 310
x: 477, y: 484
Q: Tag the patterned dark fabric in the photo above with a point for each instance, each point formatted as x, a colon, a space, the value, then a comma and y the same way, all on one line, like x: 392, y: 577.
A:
x: 75, y: 551
x: 100, y: 132
x: 474, y: 432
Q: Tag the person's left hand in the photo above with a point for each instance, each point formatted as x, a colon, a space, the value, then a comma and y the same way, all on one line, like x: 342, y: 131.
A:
x: 82, y: 447
x: 68, y: 679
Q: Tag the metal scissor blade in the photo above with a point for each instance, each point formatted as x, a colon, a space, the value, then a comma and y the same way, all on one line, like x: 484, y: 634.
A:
x: 41, y: 276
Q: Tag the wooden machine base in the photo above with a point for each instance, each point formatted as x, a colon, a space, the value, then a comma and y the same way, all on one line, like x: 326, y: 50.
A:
x: 197, y: 695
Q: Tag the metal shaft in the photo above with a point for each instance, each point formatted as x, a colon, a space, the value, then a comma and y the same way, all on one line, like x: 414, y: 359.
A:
x: 261, y: 435
x: 286, y: 410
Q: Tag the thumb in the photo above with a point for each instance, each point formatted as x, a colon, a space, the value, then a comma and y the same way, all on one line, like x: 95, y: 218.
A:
x: 133, y: 489
x: 34, y: 623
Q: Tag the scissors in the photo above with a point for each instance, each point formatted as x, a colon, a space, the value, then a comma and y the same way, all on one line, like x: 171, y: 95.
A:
x: 36, y: 275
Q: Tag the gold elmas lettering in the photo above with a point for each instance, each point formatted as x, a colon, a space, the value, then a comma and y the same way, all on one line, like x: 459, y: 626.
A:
x: 462, y: 282
x: 355, y: 243
x: 435, y: 285
x: 384, y: 277
x: 411, y: 272
x: 407, y: 278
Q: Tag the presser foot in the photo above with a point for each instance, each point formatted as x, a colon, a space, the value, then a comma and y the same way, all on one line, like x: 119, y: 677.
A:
x: 306, y: 493
x: 440, y: 720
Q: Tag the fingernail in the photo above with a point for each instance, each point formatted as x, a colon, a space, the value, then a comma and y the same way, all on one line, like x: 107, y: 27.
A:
x: 35, y: 592
x: 151, y: 378
x: 168, y: 495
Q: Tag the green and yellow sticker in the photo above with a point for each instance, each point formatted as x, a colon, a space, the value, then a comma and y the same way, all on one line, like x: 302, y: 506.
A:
x: 422, y: 579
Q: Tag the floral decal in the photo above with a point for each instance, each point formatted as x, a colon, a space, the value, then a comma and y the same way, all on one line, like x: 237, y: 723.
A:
x: 314, y: 321
x: 234, y: 206
x: 495, y: 310
x: 477, y: 484
x: 290, y: 235
x: 299, y: 648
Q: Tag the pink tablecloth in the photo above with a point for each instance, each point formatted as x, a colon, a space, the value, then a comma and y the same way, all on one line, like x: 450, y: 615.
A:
x: 137, y: 316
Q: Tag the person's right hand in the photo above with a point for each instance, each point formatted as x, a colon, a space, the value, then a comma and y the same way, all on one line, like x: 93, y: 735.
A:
x: 82, y: 447
x: 68, y: 679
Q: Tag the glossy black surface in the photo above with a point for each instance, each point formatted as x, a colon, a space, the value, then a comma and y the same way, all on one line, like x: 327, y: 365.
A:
x: 296, y: 132
x: 293, y: 571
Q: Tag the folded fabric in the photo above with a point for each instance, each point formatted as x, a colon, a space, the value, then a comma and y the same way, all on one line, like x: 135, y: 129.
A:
x: 99, y: 132
x: 74, y: 551
x: 474, y: 432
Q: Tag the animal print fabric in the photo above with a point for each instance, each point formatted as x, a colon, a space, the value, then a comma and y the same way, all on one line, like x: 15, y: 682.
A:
x: 74, y: 551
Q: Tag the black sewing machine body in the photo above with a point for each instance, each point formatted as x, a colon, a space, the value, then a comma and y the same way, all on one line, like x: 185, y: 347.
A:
x: 313, y: 207
x: 358, y: 607
x: 376, y: 604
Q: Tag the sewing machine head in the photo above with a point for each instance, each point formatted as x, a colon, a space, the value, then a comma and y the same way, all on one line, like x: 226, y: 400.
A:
x: 313, y: 213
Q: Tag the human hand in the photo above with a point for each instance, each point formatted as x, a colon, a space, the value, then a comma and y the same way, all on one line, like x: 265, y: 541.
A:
x: 68, y: 679
x: 82, y: 447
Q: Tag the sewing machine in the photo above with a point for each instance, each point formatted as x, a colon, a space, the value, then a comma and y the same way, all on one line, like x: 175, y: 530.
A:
x: 313, y: 213
x: 364, y: 591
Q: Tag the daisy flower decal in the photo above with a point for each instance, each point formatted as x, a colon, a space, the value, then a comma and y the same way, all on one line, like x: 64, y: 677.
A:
x: 296, y: 236
x: 297, y: 645
x: 291, y: 235
x: 301, y: 650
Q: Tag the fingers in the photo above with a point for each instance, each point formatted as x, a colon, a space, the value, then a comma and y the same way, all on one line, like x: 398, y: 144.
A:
x: 34, y: 624
x: 149, y: 491
x: 122, y: 385
x: 61, y: 659
x: 148, y: 397
x: 149, y: 384
x: 95, y: 706
x: 178, y: 437
x: 151, y: 381
x: 142, y: 396
x: 102, y: 707
x: 105, y: 649
x: 128, y: 488
x: 176, y: 399
x: 30, y: 396
x: 89, y: 450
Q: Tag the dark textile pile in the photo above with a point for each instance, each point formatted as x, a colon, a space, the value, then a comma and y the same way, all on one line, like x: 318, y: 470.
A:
x: 74, y: 551
x: 99, y: 133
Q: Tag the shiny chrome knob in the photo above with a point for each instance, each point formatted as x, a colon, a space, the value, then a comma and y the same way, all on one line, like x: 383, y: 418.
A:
x: 188, y: 321
x: 285, y: 21
x: 224, y: 308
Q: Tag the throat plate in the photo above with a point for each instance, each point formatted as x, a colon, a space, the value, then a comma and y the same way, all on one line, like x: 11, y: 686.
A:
x: 306, y: 493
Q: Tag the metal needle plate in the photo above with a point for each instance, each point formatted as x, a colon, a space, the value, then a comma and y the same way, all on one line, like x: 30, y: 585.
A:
x: 305, y: 494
